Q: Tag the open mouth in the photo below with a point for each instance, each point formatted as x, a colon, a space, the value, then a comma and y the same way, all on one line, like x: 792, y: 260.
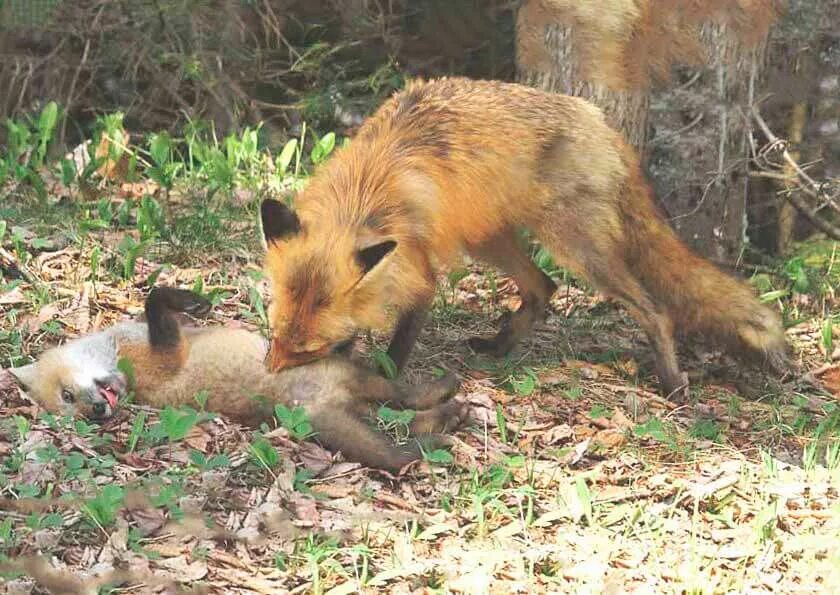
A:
x: 109, y: 393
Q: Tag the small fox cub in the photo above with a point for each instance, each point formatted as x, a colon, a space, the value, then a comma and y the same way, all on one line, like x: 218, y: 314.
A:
x: 456, y: 165
x: 171, y: 364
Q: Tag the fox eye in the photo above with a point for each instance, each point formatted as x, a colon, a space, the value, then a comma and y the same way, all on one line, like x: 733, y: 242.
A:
x: 68, y: 396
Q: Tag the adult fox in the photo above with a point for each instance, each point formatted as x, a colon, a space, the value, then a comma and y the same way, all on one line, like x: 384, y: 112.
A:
x: 454, y: 165
x: 171, y: 364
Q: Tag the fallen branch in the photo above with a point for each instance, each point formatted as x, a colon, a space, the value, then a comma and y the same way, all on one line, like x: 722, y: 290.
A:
x: 810, y: 186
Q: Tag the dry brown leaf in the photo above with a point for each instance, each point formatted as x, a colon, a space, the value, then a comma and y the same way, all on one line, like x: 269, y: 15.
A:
x: 148, y: 520
x: 13, y: 297
x: 557, y: 434
x: 609, y: 438
x: 305, y: 508
x: 198, y: 438
x: 7, y: 380
x: 181, y: 570
x: 831, y: 380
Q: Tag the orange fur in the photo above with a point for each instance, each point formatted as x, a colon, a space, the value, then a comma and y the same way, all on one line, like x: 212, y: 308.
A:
x: 456, y: 165
x: 337, y: 395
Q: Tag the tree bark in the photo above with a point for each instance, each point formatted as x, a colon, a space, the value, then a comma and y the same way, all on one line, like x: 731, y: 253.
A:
x: 626, y: 110
x: 699, y: 154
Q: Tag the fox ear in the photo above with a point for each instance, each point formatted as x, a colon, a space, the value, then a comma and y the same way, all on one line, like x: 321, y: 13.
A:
x: 25, y: 374
x: 278, y: 221
x: 371, y: 256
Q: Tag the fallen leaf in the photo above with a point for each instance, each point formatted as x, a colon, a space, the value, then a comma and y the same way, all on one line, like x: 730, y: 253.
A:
x: 609, y: 438
x: 13, y: 297
x: 831, y: 380
x: 304, y: 508
x: 198, y: 438
x: 148, y: 520
x: 179, y: 569
x: 557, y: 434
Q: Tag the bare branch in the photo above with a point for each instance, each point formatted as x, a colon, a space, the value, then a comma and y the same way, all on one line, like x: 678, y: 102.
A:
x: 807, y: 184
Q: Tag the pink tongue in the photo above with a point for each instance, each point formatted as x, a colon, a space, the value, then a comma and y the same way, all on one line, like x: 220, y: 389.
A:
x: 109, y: 396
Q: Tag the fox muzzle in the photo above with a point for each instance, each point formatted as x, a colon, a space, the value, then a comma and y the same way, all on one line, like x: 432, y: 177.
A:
x: 280, y: 357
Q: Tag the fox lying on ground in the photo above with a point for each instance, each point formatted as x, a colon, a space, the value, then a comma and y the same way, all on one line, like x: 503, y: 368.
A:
x: 171, y: 364
x: 456, y: 165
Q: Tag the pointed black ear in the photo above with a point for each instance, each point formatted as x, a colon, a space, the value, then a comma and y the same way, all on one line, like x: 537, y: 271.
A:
x: 371, y: 256
x: 278, y: 220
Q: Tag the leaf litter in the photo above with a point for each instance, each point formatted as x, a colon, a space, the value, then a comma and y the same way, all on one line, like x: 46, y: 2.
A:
x: 574, y: 475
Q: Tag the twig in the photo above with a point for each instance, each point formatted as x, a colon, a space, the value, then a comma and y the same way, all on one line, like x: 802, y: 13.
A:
x: 815, y: 191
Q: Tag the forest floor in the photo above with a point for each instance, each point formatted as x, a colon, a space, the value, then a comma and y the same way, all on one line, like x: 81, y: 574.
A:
x: 572, y: 476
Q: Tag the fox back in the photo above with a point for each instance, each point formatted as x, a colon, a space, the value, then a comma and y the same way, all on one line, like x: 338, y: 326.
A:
x: 457, y: 165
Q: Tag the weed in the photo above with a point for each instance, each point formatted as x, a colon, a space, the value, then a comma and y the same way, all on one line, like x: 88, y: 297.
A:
x: 705, y: 429
x: 654, y: 428
x: 263, y: 453
x: 385, y: 363
x: 396, y: 422
x: 295, y: 420
x: 200, y: 460
x: 103, y: 508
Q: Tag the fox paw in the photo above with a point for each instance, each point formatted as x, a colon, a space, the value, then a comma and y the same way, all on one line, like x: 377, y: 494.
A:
x: 445, y: 417
x: 199, y: 308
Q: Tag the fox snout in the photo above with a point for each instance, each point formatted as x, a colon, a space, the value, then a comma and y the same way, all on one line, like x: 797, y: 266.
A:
x: 280, y: 356
x: 101, y: 401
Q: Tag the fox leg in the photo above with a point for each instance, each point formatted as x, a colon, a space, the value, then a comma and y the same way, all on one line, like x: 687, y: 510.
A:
x: 660, y: 331
x: 430, y: 394
x: 438, y: 419
x: 160, y: 309
x: 435, y: 411
x: 368, y: 387
x: 620, y: 283
x: 405, y: 336
x: 341, y: 426
x: 341, y: 429
x: 411, y: 320
x: 535, y: 288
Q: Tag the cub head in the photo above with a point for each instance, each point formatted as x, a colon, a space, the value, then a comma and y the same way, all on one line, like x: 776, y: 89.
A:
x: 326, y: 284
x: 64, y: 385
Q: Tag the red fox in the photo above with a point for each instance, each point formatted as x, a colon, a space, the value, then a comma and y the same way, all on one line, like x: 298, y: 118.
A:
x: 171, y: 364
x: 454, y: 165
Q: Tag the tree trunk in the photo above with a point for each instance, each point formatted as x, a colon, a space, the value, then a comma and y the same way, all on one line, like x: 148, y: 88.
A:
x: 698, y: 156
x: 626, y: 110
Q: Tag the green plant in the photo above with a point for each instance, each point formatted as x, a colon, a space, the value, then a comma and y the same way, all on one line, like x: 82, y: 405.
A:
x: 385, y: 363
x: 584, y: 495
x: 655, y: 429
x: 177, y: 423
x: 317, y: 551
x: 523, y: 383
x: 295, y: 420
x: 396, y: 421
x: 130, y: 250
x: 263, y: 453
x: 322, y: 149
x: 164, y: 168
x: 150, y: 219
x: 501, y: 423
x: 827, y: 337
x: 200, y: 460
x: 27, y: 143
x: 705, y: 429
x: 439, y: 456
x: 103, y: 508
